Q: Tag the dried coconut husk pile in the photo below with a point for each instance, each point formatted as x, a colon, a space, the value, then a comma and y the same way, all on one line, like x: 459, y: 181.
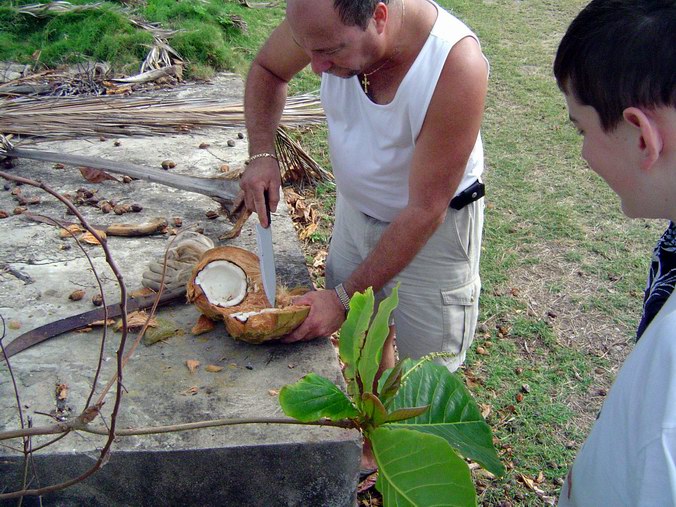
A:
x: 227, y: 285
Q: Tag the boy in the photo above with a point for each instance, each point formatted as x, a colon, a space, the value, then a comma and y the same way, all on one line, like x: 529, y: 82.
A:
x: 616, y: 66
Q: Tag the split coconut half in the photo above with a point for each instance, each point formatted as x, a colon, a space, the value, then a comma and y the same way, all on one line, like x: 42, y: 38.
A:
x: 226, y: 284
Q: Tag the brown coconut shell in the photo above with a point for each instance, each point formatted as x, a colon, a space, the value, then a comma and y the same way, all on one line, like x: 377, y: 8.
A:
x: 262, y: 323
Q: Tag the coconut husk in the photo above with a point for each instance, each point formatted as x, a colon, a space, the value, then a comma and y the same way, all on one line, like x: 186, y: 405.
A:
x: 252, y: 320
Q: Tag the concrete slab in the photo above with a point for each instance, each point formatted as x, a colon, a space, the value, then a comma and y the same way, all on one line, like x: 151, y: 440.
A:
x: 255, y: 464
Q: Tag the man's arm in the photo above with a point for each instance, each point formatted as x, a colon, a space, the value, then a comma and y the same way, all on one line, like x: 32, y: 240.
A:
x: 264, y: 98
x: 443, y: 148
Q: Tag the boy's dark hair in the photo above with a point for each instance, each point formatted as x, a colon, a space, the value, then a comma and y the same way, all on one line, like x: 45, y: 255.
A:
x: 356, y: 12
x: 618, y: 54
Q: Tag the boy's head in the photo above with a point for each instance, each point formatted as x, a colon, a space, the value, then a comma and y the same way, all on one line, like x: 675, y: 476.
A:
x: 616, y: 66
x: 620, y: 53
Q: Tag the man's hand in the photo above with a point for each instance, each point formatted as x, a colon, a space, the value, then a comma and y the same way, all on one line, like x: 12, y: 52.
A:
x: 326, y: 316
x: 262, y: 174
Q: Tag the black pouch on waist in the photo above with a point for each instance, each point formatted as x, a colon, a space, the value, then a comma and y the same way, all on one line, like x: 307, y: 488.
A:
x: 475, y: 191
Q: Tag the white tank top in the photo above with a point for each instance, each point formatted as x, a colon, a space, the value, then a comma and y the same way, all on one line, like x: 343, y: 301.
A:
x: 371, y: 145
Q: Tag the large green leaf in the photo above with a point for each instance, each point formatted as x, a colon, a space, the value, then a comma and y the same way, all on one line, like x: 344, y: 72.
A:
x: 352, y: 333
x: 369, y: 361
x: 417, y: 469
x: 453, y: 413
x: 314, y: 397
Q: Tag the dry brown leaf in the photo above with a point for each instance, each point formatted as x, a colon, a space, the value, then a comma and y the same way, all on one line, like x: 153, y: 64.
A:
x: 320, y: 259
x: 72, y: 229
x: 191, y: 391
x: 139, y: 318
x: 192, y: 365
x: 212, y: 368
x: 61, y: 391
x: 97, y: 323
x: 307, y: 232
x: 481, y: 351
x: 141, y: 292
x: 89, y: 238
x: 485, y: 410
x: 96, y: 175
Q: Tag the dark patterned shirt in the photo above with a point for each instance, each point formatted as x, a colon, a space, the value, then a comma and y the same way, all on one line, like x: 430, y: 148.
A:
x: 662, y: 278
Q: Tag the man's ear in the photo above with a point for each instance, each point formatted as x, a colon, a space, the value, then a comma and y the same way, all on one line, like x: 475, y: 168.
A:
x: 380, y: 16
x: 650, y: 137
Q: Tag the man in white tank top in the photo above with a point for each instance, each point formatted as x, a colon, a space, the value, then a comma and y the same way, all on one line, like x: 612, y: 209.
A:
x: 403, y: 87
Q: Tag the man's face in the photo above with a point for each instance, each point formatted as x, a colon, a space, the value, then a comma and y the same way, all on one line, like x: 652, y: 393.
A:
x: 609, y: 155
x: 332, y: 46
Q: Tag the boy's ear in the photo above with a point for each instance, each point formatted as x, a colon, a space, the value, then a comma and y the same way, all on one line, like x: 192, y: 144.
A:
x: 650, y: 137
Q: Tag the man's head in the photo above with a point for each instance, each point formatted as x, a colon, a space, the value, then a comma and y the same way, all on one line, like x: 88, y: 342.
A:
x: 342, y: 37
x: 357, y: 12
x: 620, y: 53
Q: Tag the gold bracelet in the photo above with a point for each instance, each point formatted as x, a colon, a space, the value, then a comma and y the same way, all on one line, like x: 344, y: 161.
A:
x: 342, y: 296
x: 261, y: 155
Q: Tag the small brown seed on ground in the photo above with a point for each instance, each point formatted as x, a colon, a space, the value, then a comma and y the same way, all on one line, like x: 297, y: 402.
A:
x: 18, y: 210
x: 203, y: 146
x: 97, y: 300
x: 3, y: 213
x: 231, y: 143
x: 136, y: 207
x: 168, y: 164
x: 76, y: 295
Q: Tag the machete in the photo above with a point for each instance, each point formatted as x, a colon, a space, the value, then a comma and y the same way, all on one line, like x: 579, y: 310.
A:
x: 47, y: 331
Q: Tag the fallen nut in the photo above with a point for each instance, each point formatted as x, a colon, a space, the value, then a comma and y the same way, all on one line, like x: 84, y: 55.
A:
x: 168, y: 164
x: 76, y: 295
x: 97, y: 300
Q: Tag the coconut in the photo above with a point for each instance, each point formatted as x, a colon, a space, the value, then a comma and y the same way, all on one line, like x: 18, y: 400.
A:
x: 226, y: 284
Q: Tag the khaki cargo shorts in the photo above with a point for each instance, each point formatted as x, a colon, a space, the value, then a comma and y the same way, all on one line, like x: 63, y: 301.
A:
x: 439, y: 291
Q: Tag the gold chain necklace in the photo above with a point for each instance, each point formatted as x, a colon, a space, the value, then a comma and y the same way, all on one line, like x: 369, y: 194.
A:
x: 364, y: 77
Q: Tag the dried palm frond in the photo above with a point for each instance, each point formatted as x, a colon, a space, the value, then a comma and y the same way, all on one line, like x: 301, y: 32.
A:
x: 297, y: 166
x: 161, y: 55
x: 65, y: 118
x: 74, y: 117
x: 58, y: 7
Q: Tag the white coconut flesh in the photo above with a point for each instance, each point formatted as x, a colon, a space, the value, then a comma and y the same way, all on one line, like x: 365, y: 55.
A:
x: 223, y: 283
x: 244, y: 316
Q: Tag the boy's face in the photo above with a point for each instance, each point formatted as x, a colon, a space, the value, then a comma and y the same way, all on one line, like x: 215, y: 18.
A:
x: 609, y: 155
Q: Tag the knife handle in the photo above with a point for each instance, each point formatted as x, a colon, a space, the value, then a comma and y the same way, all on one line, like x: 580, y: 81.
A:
x: 267, y: 206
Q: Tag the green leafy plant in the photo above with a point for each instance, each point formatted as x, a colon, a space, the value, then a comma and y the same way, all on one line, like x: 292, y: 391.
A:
x: 420, y: 419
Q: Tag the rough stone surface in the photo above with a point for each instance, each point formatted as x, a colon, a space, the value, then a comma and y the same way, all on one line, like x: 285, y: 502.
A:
x: 253, y: 464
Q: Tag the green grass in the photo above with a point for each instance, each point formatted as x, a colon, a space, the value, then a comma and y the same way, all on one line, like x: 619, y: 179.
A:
x: 555, y: 240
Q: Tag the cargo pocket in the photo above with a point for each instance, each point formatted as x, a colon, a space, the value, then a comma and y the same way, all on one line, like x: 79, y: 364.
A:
x: 461, y: 311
